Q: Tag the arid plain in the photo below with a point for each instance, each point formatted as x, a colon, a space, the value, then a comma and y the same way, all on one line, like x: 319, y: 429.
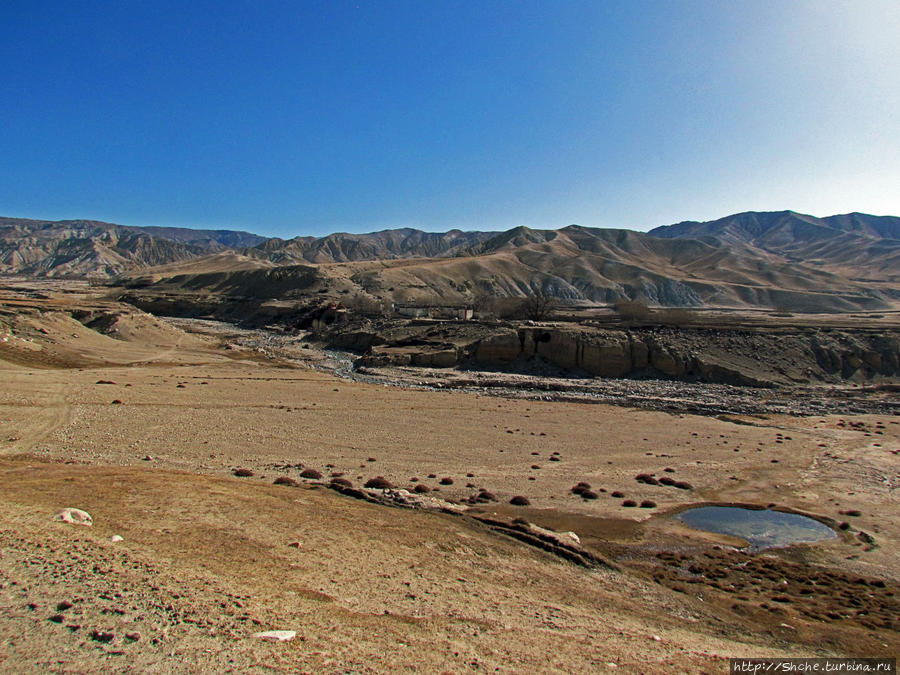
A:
x: 144, y: 427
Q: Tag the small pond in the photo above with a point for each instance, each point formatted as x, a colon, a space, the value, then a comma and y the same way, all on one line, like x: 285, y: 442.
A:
x: 762, y: 528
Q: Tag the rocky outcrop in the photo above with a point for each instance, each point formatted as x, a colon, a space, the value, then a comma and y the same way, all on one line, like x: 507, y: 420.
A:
x: 730, y: 356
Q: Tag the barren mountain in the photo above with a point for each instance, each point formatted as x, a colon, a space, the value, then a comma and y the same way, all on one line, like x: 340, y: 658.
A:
x: 784, y: 260
x: 857, y: 243
x: 87, y: 248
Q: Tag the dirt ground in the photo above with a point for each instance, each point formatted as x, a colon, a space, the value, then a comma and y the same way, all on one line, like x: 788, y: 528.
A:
x: 143, y: 427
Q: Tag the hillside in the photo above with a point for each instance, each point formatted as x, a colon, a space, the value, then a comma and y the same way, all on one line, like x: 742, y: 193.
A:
x: 775, y: 260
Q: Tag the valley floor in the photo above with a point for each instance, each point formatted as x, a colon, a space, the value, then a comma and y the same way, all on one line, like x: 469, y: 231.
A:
x: 145, y: 431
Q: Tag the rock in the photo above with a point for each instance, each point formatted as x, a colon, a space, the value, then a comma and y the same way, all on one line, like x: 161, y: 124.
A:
x: 276, y: 635
x: 501, y: 348
x: 75, y: 517
x: 102, y: 636
x: 116, y: 538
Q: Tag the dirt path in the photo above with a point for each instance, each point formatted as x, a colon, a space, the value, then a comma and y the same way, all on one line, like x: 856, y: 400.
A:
x: 32, y: 414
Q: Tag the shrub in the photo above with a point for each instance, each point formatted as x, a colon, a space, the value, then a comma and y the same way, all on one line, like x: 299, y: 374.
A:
x: 379, y: 483
x: 629, y: 503
x: 242, y: 473
x: 311, y: 473
x: 485, y: 496
x: 648, y: 504
x: 446, y: 480
x: 420, y: 488
x: 646, y: 478
x: 578, y: 488
x: 665, y: 480
x: 588, y: 494
x: 617, y: 494
x: 342, y: 482
x: 683, y: 485
x: 519, y: 500
x: 285, y: 480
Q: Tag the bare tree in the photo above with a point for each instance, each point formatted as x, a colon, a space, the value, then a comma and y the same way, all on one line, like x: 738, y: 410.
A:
x: 539, y: 306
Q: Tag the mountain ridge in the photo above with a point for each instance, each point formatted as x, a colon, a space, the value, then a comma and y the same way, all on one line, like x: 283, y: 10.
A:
x: 839, y: 263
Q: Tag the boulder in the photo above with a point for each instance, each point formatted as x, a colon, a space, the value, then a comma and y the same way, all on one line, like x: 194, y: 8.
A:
x: 75, y: 517
x: 276, y: 635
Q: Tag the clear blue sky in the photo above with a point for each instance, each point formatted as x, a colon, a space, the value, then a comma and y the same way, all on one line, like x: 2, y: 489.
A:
x: 312, y: 117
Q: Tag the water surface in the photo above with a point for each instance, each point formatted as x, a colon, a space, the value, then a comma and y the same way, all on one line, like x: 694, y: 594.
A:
x: 762, y: 528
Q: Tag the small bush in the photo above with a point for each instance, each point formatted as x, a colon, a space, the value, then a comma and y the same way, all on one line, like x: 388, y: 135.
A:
x: 446, y: 480
x: 485, y: 496
x: 242, y: 473
x: 519, y: 500
x: 379, y: 483
x: 588, y: 494
x: 629, y: 503
x: 421, y: 489
x: 311, y: 473
x: 342, y: 482
x: 665, y: 480
x: 285, y: 480
x: 683, y: 485
x: 617, y: 494
x: 432, y: 475
x: 648, y: 504
x: 646, y: 478
x: 554, y: 458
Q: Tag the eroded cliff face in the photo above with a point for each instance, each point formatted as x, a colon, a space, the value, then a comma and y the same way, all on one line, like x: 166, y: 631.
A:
x: 732, y: 356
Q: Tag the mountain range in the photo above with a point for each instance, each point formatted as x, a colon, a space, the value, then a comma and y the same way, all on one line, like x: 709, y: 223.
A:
x: 768, y: 259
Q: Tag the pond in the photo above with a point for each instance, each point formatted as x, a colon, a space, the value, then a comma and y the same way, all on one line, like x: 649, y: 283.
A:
x: 762, y: 528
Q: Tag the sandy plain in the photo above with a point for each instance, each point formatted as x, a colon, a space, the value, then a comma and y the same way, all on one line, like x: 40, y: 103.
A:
x: 143, y: 425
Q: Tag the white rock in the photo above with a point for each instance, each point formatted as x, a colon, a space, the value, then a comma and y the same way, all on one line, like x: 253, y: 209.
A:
x: 75, y: 516
x: 116, y: 538
x: 276, y: 635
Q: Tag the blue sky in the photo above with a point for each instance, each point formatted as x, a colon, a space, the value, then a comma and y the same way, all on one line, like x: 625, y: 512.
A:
x: 311, y: 117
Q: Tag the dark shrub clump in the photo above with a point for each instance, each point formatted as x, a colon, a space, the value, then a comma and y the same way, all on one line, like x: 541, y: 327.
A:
x: 617, y: 494
x: 588, y: 494
x: 379, y: 483
x: 446, y: 481
x: 519, y: 500
x: 578, y: 488
x: 646, y: 478
x: 648, y: 504
x: 665, y: 480
x: 342, y: 482
x: 629, y: 503
x: 485, y: 496
x: 311, y: 473
x: 684, y: 485
x: 420, y: 488
x: 242, y: 473
x: 285, y: 480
